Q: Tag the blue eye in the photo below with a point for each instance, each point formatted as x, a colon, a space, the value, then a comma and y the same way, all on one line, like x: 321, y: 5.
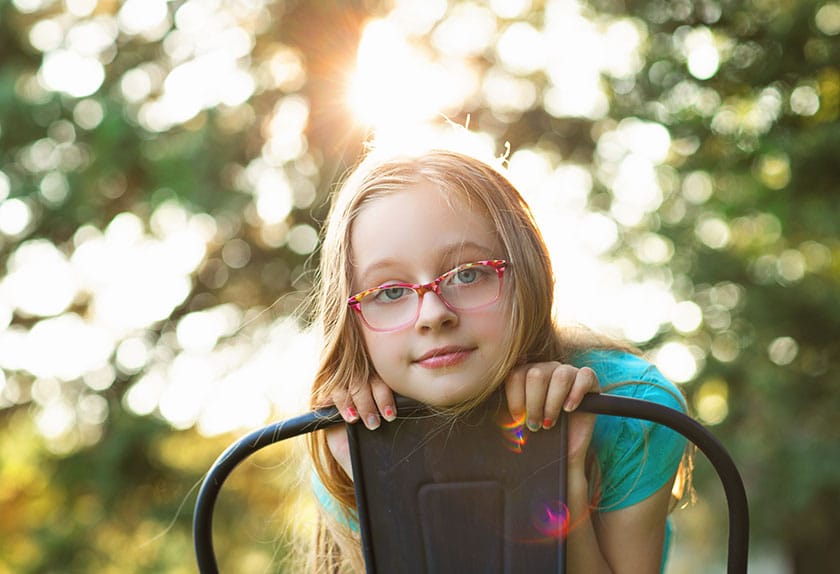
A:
x: 391, y: 294
x: 467, y: 276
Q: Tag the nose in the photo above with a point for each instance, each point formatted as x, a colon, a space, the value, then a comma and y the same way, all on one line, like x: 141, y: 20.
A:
x: 434, y: 314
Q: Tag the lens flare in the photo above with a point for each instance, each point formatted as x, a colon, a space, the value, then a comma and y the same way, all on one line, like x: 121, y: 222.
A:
x: 514, y: 433
x: 552, y: 520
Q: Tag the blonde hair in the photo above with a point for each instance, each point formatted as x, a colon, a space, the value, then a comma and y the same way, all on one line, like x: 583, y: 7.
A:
x: 532, y: 336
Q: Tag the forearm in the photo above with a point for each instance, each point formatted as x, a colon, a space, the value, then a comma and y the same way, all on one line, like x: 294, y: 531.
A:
x: 583, y: 553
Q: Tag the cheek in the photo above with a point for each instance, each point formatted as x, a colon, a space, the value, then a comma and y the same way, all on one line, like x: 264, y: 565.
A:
x: 382, y: 348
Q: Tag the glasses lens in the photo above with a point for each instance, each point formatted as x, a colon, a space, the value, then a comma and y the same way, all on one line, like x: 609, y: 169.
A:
x: 471, y: 286
x: 389, y: 307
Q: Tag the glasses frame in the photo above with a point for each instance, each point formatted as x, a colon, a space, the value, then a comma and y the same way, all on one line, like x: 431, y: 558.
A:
x: 355, y: 301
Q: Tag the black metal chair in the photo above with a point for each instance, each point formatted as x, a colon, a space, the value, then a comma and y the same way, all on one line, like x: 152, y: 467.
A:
x: 441, y: 495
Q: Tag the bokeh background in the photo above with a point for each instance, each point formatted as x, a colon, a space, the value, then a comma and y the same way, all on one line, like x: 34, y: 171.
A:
x: 165, y: 167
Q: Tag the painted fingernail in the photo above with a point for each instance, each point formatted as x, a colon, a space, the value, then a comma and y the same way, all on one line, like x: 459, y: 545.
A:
x: 547, y: 424
x: 352, y: 413
x: 372, y: 422
x: 389, y: 414
x: 533, y: 426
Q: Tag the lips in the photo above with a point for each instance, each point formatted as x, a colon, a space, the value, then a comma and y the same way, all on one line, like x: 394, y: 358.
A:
x: 444, y: 357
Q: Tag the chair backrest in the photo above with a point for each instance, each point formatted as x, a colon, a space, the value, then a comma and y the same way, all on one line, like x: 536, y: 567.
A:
x: 449, y: 520
x: 471, y: 494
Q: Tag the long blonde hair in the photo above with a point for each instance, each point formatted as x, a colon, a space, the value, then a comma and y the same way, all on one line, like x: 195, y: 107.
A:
x: 532, y: 336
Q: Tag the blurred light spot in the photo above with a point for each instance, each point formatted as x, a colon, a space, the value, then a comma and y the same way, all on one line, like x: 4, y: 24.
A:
x: 139, y: 16
x: 302, y: 239
x: 773, y: 170
x: 100, y: 379
x: 46, y: 35
x: 783, y: 350
x: 713, y: 232
x: 467, y: 31
x: 676, y: 361
x: 80, y: 8
x: 72, y: 73
x: 287, y: 69
x: 510, y: 9
x: 804, y: 100
x: 653, y: 248
x: 828, y: 19
x: 75, y: 347
x: 92, y: 409
x: 274, y: 236
x: 791, y: 265
x: 686, y: 316
x: 274, y: 196
x: 45, y: 391
x: 201, y: 330
x: 5, y: 186
x: 521, y: 49
x: 143, y: 396
x: 712, y: 401
x: 703, y: 61
x: 15, y: 217
x: 505, y: 93
x: 697, y: 187
x: 88, y: 113
x: 236, y: 253
x: 30, y: 6
x: 417, y: 16
x: 132, y: 355
x: 622, y: 40
x: 40, y: 280
x: 725, y: 347
x: 54, y: 188
x: 136, y: 85
x: 817, y: 256
x: 92, y: 37
x: 56, y: 419
x: 645, y: 311
x: 599, y: 233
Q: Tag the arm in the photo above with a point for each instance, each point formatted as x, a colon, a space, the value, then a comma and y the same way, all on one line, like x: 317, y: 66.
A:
x: 629, y: 539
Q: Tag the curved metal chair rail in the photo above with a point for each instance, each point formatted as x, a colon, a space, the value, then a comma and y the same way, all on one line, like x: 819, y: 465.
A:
x: 738, y: 546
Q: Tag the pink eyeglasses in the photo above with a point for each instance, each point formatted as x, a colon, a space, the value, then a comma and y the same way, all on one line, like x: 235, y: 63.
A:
x: 394, y: 306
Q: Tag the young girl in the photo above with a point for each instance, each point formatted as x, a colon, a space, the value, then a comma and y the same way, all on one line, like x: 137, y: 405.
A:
x: 436, y: 285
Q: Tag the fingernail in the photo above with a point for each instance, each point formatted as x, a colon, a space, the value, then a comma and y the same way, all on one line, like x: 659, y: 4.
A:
x: 533, y: 426
x: 352, y: 414
x: 547, y: 424
x: 569, y: 406
x: 389, y: 413
x: 372, y: 422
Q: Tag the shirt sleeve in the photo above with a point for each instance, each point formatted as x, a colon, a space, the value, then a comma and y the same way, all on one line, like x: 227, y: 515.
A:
x: 635, y: 457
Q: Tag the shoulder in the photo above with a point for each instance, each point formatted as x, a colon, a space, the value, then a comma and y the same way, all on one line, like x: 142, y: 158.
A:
x: 636, y: 457
x: 623, y: 373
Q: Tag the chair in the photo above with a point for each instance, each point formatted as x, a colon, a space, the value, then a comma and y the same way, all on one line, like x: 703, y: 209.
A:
x: 420, y: 486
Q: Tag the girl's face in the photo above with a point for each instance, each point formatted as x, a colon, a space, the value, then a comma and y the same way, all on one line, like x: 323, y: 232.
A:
x: 413, y: 236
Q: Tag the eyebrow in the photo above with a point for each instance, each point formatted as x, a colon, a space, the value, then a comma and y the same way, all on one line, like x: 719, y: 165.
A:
x: 448, y: 252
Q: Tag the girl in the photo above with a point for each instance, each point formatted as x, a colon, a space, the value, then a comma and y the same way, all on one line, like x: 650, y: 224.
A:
x: 436, y: 284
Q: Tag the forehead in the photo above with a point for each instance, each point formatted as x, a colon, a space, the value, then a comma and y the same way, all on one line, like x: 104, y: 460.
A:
x: 421, y: 224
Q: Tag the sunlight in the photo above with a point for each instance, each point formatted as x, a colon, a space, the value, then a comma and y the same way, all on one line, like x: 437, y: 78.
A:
x: 395, y: 83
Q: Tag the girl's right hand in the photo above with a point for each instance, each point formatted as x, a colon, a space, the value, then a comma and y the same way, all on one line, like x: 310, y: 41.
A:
x: 366, y: 401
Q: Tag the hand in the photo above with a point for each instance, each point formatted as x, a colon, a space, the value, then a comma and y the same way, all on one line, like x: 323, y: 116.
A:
x: 366, y: 401
x: 537, y: 392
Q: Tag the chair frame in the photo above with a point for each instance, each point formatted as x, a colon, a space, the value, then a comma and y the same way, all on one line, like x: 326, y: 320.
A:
x: 604, y: 404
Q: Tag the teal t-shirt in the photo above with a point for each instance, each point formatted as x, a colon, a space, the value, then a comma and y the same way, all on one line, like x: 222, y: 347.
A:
x: 636, y: 457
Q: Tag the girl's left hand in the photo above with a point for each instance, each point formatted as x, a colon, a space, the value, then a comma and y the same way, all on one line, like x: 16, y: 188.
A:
x: 537, y: 392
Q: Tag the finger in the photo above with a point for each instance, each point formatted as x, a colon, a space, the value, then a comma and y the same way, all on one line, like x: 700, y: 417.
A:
x: 586, y: 381
x: 341, y: 399
x: 515, y: 393
x: 562, y: 379
x: 384, y: 398
x: 363, y: 399
x: 536, y: 385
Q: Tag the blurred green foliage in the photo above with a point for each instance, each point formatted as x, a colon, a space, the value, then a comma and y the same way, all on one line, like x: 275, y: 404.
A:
x: 749, y: 213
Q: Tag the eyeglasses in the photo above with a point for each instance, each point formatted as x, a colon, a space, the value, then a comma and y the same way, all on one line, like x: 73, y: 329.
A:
x: 468, y: 287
